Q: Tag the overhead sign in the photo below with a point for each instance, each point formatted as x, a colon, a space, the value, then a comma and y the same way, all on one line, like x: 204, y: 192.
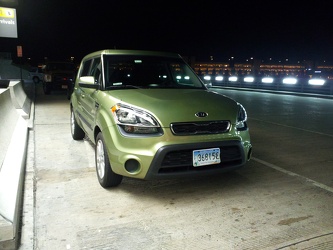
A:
x: 8, y: 25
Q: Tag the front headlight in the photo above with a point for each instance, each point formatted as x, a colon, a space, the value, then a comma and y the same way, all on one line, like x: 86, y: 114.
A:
x: 134, y: 121
x: 241, y: 118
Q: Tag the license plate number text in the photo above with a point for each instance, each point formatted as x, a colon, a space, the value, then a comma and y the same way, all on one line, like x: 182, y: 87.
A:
x: 206, y: 157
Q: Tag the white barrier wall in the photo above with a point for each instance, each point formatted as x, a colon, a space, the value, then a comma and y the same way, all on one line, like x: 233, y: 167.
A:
x: 8, y: 119
x: 13, y: 143
x: 19, y: 98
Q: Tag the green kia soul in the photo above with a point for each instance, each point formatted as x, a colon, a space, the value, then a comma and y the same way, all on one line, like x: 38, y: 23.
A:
x: 150, y: 117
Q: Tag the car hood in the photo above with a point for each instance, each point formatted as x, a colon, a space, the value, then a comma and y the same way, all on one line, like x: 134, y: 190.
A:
x: 179, y: 105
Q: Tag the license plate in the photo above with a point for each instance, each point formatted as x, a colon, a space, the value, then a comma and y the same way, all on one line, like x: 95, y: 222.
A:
x: 206, y: 157
x: 64, y: 86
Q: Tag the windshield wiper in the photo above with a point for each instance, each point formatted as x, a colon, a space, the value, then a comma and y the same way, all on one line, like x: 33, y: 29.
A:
x: 128, y: 86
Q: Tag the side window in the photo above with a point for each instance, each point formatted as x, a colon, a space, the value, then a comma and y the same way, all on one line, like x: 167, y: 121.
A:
x: 96, y: 70
x: 85, y: 68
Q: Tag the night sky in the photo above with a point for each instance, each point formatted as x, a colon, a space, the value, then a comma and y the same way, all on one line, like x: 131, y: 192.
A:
x: 58, y: 29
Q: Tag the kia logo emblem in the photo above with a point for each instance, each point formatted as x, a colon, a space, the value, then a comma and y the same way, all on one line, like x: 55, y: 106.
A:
x: 201, y: 114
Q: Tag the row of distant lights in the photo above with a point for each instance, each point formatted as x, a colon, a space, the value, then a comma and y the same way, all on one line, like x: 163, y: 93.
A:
x: 249, y: 79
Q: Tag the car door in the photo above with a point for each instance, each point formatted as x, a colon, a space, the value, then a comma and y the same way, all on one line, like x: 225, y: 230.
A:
x: 87, y: 98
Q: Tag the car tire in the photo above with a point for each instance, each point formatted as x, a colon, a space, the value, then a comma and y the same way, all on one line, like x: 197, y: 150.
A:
x: 69, y: 91
x: 35, y: 79
x: 76, y: 130
x: 106, y: 177
x: 68, y: 94
x: 46, y: 89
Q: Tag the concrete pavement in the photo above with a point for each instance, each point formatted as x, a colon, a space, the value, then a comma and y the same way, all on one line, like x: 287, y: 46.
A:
x: 268, y: 205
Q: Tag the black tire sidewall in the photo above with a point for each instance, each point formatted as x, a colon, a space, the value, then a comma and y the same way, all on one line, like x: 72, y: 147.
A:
x: 110, y: 178
x: 78, y: 133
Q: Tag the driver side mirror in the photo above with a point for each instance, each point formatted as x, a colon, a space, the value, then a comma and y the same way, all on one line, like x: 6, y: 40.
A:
x: 88, y: 82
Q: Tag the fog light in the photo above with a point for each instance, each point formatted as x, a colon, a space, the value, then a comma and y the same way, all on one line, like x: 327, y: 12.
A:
x: 132, y: 166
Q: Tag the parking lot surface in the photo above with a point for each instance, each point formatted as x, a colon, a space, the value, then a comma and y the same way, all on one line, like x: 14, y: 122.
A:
x: 283, y: 198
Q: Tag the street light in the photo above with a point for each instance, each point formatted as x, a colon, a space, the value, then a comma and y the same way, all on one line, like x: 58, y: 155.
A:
x: 267, y: 80
x: 289, y: 80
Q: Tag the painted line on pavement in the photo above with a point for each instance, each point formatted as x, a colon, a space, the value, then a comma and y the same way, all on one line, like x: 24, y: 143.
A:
x: 287, y: 126
x: 315, y: 183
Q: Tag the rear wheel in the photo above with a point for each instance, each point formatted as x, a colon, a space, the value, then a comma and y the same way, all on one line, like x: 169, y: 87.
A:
x: 76, y: 130
x: 46, y: 89
x: 106, y: 177
x: 69, y: 92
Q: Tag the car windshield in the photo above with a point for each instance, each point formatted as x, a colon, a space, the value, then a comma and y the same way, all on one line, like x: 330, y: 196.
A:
x: 148, y: 72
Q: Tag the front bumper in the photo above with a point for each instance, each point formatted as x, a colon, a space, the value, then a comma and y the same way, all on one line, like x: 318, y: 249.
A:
x: 169, y: 156
x: 176, y: 160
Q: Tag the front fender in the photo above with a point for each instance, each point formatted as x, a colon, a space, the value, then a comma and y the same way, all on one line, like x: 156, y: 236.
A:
x: 104, y: 120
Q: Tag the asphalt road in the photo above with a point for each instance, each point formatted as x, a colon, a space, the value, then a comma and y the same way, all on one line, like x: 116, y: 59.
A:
x: 283, y: 199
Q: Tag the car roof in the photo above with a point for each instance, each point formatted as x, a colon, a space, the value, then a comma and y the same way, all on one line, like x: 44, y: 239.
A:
x: 131, y: 52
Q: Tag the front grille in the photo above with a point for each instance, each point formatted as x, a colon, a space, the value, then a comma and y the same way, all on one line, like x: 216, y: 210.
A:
x: 181, y: 161
x: 199, y: 128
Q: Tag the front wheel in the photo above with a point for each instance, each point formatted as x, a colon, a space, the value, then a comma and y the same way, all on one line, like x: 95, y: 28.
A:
x: 35, y: 79
x: 106, y: 177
